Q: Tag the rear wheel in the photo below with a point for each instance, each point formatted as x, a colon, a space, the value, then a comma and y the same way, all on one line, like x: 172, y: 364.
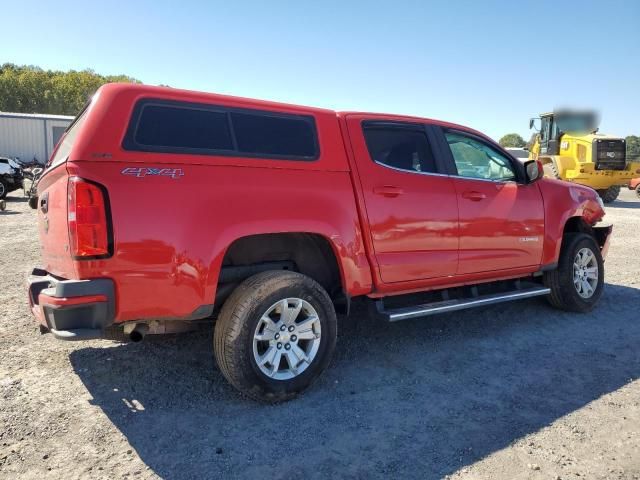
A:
x: 638, y: 190
x: 610, y: 194
x: 275, y: 335
x: 576, y: 285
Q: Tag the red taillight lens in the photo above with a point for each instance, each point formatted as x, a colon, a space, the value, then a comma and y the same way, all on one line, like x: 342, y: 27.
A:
x: 89, y: 234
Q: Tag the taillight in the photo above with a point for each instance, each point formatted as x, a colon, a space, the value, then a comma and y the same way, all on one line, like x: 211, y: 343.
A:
x: 89, y: 222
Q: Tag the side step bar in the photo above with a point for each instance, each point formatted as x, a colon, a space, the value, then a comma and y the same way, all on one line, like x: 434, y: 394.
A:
x: 405, y: 313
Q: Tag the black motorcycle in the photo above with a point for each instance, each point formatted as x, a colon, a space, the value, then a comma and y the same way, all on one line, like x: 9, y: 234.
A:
x: 31, y: 172
x: 11, y: 176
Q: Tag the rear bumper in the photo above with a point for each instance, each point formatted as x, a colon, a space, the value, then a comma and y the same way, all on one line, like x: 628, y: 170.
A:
x: 71, y: 309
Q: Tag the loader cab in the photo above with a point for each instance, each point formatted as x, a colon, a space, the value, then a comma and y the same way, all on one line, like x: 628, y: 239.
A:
x: 549, y: 135
x: 553, y: 125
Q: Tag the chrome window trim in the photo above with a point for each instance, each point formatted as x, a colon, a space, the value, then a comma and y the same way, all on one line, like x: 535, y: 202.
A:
x: 415, y: 172
x: 487, y: 179
x: 410, y: 171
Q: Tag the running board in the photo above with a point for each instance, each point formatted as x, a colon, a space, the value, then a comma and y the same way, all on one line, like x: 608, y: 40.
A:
x: 443, y: 306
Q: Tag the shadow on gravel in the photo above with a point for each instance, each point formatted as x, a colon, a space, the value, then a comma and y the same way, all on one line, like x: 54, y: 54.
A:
x: 418, y: 398
x: 16, y: 199
x: 624, y: 204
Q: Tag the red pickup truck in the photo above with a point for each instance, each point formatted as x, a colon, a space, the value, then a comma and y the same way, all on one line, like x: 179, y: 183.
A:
x: 163, y: 208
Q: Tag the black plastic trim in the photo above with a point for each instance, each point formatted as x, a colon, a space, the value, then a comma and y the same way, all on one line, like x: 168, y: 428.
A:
x: 601, y: 232
x: 549, y: 267
x: 81, y: 316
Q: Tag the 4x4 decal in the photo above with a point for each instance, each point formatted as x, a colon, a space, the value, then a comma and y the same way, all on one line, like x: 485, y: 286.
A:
x: 145, y: 171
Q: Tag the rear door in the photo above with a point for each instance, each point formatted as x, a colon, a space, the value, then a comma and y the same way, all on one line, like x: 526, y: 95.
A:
x: 410, y: 204
x: 501, y: 217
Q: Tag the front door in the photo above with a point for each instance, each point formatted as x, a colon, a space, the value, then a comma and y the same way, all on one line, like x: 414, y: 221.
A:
x: 501, y: 217
x: 411, y: 207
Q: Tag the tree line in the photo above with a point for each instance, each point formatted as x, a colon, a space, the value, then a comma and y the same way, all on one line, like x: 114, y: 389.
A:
x: 29, y: 89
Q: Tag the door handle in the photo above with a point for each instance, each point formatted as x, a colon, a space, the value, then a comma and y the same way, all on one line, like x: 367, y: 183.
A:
x: 388, y: 191
x: 473, y: 196
x: 44, y: 202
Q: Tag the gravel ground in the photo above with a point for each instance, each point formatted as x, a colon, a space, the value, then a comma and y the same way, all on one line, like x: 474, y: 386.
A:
x: 512, y: 391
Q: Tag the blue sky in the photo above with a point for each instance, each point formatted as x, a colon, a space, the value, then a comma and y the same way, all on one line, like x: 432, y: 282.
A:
x: 479, y: 63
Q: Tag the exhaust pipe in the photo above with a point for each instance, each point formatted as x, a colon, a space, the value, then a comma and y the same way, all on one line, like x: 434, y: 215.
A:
x: 139, y: 332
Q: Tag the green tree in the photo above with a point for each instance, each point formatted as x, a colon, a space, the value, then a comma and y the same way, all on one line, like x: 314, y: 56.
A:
x: 512, y: 140
x: 29, y: 89
x: 633, y: 147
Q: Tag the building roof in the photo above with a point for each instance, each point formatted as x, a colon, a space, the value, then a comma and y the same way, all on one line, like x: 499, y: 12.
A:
x: 35, y: 116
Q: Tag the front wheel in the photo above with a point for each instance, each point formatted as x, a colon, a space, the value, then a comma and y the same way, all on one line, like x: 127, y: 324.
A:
x: 275, y: 335
x: 610, y: 194
x: 577, y: 283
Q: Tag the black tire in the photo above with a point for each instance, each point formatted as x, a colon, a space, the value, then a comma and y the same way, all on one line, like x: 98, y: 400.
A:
x: 563, y: 293
x: 238, y: 320
x: 638, y: 190
x: 610, y: 194
x: 3, y: 189
x: 553, y: 170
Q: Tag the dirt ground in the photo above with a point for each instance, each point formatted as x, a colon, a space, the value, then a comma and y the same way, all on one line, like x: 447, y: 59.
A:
x: 511, y: 391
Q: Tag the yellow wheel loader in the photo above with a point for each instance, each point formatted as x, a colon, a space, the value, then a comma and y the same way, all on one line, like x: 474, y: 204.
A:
x: 570, y: 148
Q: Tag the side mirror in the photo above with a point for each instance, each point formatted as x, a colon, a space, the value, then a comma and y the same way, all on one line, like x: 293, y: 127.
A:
x: 532, y: 124
x: 534, y: 170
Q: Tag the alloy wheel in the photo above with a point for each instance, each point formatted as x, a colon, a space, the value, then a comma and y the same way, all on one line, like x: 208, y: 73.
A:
x: 585, y: 273
x: 286, y: 339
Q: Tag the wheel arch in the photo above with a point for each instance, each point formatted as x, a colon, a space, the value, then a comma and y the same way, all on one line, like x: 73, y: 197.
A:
x: 578, y: 224
x: 312, y: 254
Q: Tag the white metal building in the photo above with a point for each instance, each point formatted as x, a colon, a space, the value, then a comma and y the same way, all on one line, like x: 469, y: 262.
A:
x: 29, y: 135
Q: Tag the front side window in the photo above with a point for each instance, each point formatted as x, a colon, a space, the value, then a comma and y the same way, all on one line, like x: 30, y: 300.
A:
x: 400, y: 147
x: 476, y: 159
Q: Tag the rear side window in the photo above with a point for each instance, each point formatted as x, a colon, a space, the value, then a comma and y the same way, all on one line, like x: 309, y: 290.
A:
x: 174, y: 127
x: 273, y: 135
x: 63, y: 149
x: 401, y: 146
x: 177, y: 127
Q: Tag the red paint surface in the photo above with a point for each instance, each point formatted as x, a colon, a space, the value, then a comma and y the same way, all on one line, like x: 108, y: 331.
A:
x: 44, y: 299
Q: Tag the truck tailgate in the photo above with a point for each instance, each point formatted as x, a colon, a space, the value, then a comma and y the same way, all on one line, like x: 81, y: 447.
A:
x: 52, y: 222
